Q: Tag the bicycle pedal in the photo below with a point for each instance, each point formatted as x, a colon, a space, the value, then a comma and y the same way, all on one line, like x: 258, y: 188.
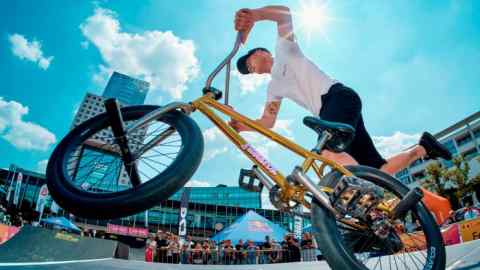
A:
x: 354, y: 197
x: 249, y: 181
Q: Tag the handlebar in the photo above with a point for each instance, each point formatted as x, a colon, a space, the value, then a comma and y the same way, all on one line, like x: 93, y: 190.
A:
x: 225, y: 62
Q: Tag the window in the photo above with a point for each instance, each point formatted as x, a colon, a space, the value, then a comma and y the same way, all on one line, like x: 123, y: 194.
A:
x: 450, y: 145
x: 469, y: 154
x: 464, y: 139
x: 476, y: 133
x: 416, y: 163
x: 419, y: 175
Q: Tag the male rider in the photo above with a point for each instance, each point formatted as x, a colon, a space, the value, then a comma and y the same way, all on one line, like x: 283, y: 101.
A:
x: 295, y: 77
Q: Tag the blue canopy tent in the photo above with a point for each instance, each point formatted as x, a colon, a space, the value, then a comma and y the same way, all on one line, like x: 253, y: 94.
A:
x: 61, y: 222
x: 251, y: 226
x: 308, y: 229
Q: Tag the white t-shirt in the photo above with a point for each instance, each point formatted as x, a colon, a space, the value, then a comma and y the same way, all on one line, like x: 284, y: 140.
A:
x: 297, y: 78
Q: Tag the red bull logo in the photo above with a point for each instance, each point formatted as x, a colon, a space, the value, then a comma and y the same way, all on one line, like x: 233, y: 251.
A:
x: 258, y: 226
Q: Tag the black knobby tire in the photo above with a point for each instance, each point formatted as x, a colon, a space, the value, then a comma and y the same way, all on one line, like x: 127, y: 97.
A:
x: 133, y: 200
x: 330, y: 240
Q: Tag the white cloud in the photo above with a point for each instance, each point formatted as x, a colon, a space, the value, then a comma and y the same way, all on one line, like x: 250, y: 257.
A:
x: 391, y: 145
x: 212, y: 153
x: 29, y: 50
x: 251, y: 82
x: 20, y: 133
x: 42, y: 165
x: 212, y: 134
x: 197, y: 183
x: 161, y: 58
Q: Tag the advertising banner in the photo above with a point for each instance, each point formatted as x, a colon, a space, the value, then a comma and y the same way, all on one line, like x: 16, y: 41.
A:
x: 7, y: 232
x: 129, y: 231
x: 470, y: 230
x: 18, y: 186
x: 182, y: 223
x: 42, y: 198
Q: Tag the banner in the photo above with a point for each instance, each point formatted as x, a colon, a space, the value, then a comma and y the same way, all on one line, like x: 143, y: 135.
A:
x: 12, y: 182
x: 42, y: 198
x: 18, y: 186
x: 129, y: 231
x: 298, y: 221
x: 7, y: 232
x: 182, y: 223
x: 54, y: 207
x: 470, y: 229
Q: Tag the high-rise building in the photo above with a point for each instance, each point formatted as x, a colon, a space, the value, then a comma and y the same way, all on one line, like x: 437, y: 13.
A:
x: 127, y: 90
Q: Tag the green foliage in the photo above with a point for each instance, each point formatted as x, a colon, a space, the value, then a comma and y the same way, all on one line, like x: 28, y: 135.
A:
x: 438, y: 176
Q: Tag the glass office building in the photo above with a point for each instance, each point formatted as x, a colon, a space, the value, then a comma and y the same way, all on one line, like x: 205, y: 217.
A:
x: 222, y: 195
x: 127, y: 90
x: 210, y: 209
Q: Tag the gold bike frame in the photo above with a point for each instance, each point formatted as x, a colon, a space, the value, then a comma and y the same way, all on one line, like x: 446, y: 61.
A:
x: 289, y: 192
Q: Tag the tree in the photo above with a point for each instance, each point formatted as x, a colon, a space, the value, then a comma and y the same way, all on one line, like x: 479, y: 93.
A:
x: 457, y: 176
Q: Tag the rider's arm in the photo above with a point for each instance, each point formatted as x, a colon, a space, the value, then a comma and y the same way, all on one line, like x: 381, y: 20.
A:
x: 279, y: 14
x: 267, y: 120
x: 246, y: 18
x: 270, y: 114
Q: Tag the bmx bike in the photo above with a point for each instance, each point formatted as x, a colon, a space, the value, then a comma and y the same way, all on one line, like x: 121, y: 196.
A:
x: 126, y: 160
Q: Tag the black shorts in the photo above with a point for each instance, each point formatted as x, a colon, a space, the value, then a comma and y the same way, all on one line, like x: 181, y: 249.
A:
x: 342, y: 104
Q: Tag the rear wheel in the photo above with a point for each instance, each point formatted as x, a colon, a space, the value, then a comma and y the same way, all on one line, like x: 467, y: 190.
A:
x: 348, y: 242
x: 87, y: 177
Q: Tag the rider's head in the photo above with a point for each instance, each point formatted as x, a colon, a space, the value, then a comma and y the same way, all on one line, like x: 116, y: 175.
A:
x: 258, y: 60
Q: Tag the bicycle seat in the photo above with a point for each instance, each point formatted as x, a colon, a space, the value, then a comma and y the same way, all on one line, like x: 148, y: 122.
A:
x: 342, y: 134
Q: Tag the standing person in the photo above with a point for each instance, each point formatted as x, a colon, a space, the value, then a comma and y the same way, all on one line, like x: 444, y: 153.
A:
x: 239, y: 252
x: 214, y: 252
x: 228, y: 252
x: 276, y: 255
x: 297, y: 78
x: 150, y: 248
x: 185, y: 253
x: 308, y: 252
x: 169, y: 249
x: 207, y: 253
x: 251, y: 252
x: 293, y: 249
x: 174, y: 247
x: 162, y: 245
x: 266, y: 250
x: 197, y: 254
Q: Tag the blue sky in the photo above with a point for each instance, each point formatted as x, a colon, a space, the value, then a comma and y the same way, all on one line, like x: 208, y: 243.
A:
x: 414, y: 63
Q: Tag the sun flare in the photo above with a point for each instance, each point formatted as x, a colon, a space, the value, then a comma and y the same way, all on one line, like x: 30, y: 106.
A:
x: 313, y: 17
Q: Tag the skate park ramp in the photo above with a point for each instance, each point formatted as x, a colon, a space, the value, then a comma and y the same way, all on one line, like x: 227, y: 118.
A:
x: 88, y: 253
x: 34, y: 244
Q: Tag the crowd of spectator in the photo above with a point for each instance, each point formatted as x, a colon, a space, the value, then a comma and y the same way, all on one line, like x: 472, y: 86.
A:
x: 165, y: 247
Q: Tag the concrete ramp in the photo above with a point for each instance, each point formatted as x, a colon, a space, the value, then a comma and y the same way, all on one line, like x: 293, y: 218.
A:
x: 33, y: 244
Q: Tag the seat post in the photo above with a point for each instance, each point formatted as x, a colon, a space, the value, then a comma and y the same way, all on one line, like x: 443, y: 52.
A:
x: 321, y: 141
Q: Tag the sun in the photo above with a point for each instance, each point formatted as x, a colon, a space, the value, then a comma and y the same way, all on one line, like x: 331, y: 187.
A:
x: 313, y: 17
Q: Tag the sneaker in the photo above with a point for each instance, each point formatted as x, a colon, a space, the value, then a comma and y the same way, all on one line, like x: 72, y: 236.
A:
x: 434, y: 148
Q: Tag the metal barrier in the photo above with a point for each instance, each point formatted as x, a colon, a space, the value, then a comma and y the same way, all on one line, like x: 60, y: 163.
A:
x: 249, y: 255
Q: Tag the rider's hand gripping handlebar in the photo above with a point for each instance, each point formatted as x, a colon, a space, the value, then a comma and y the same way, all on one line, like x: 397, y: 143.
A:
x: 226, y: 62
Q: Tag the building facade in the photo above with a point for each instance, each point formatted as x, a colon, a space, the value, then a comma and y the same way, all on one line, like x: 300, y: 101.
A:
x: 206, y: 215
x: 128, y: 90
x: 461, y: 138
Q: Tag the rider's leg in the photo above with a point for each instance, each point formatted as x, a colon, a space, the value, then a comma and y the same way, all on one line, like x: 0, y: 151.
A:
x: 341, y: 158
x: 404, y: 159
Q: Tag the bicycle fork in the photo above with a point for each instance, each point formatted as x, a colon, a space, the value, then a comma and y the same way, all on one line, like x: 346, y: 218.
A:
x: 118, y: 128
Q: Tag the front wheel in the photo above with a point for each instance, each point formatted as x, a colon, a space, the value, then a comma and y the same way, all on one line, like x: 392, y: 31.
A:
x: 349, y: 242
x: 87, y: 177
